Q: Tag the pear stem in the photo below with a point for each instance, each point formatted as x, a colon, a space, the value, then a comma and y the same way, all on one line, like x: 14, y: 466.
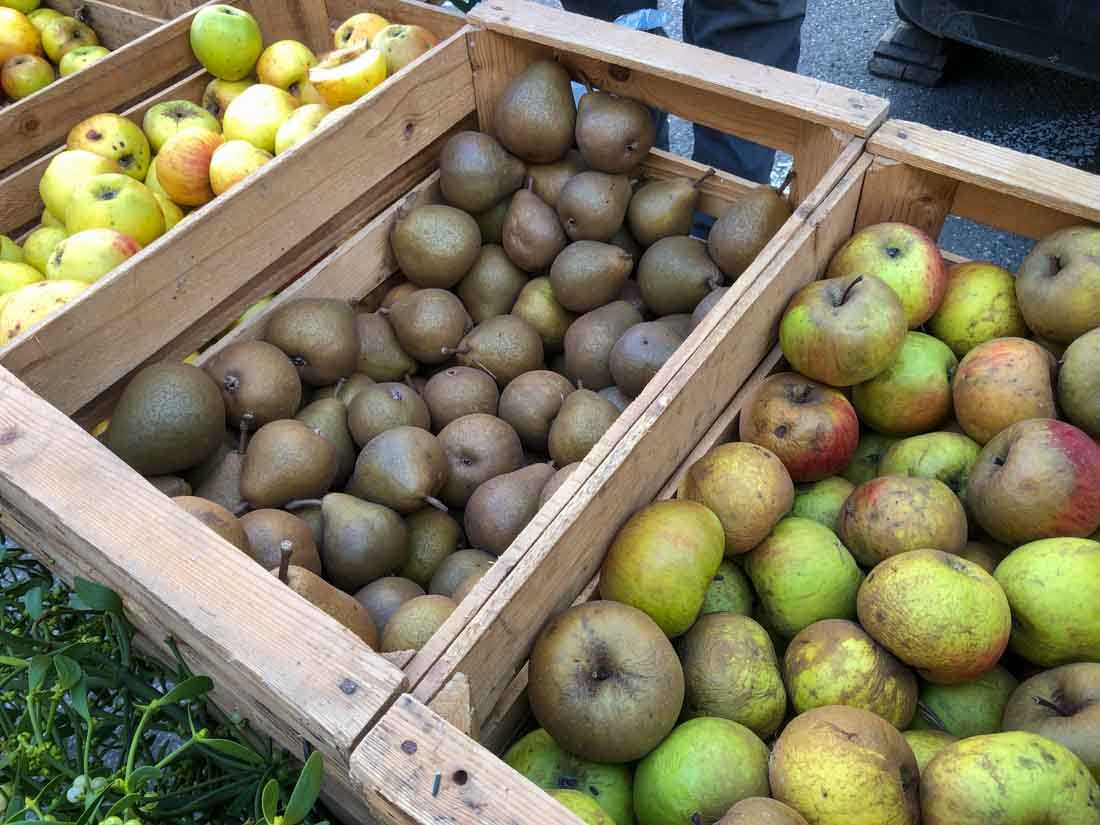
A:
x: 787, y: 181
x: 529, y: 183
x: 245, y: 425
x: 703, y: 177
x: 286, y: 548
x: 339, y: 386
x: 301, y: 504
x: 436, y: 503
x: 848, y: 290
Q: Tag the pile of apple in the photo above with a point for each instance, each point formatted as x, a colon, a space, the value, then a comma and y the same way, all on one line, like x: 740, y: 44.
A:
x: 119, y: 186
x: 27, y: 32
x: 882, y: 605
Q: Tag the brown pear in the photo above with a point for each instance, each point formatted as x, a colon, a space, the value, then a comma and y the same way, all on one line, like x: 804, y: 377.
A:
x: 619, y: 399
x: 537, y: 306
x: 505, y: 347
x: 559, y: 478
x: 380, y: 354
x: 256, y: 378
x: 663, y: 208
x: 626, y: 242
x: 530, y: 402
x: 707, y: 304
x: 614, y: 133
x: 492, y: 284
x: 592, y: 205
x: 345, y: 389
x: 403, y: 469
x: 286, y: 460
x: 680, y: 324
x: 383, y: 596
x: 675, y: 274
x: 739, y: 235
x: 415, y: 622
x: 478, y: 447
x: 319, y: 337
x: 428, y: 323
x: 475, y: 171
x: 501, y: 507
x: 589, y: 274
x: 329, y: 417
x: 395, y: 293
x: 457, y: 568
x: 268, y: 529
x: 433, y: 536
x: 532, y: 234
x: 219, y: 479
x: 640, y: 353
x: 217, y: 518
x: 589, y: 342
x: 547, y: 179
x: 458, y: 391
x: 171, y: 486
x: 384, y: 406
x: 583, y: 419
x: 491, y: 222
x: 342, y: 607
x: 535, y: 116
x: 435, y: 245
x: 362, y: 542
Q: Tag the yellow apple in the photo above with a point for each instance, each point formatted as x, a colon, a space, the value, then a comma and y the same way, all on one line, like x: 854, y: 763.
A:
x: 226, y: 41
x: 113, y: 136
x: 17, y: 35
x: 151, y: 178
x: 13, y: 276
x: 41, y: 17
x: 402, y: 45
x: 89, y: 255
x: 171, y: 211
x: 49, y: 219
x: 25, y: 6
x: 284, y: 62
x: 219, y: 93
x: 359, y: 29
x: 346, y: 75
x: 25, y: 74
x: 118, y: 202
x: 299, y: 126
x: 234, y: 161
x: 10, y: 250
x: 304, y: 92
x: 256, y: 115
x: 64, y: 173
x: 40, y: 244
x: 174, y: 116
x: 183, y: 166
x: 31, y: 304
x: 60, y: 37
x: 81, y: 58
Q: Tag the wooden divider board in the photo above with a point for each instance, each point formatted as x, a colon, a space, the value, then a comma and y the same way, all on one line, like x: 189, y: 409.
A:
x: 164, y: 9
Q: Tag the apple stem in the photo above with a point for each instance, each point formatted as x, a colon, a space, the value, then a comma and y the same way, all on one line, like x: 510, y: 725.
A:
x: 1046, y: 703
x: 339, y: 386
x: 286, y: 548
x: 703, y: 177
x: 245, y: 425
x: 848, y: 289
x: 301, y: 504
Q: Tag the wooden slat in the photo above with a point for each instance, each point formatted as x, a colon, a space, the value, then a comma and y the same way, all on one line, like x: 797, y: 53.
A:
x: 1008, y: 212
x: 716, y: 193
x: 895, y: 191
x: 303, y: 20
x: 126, y: 317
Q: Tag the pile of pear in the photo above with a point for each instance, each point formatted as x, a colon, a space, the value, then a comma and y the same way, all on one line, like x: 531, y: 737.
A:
x: 882, y: 604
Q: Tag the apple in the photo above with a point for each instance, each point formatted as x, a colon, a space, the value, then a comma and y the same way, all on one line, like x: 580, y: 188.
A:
x: 822, y: 500
x: 1058, y: 284
x: 114, y: 136
x: 903, y: 256
x: 304, y: 92
x: 946, y: 457
x: 172, y: 213
x: 978, y: 306
x: 40, y: 18
x: 40, y: 244
x: 24, y: 6
x: 813, y: 429
x: 913, y: 394
x: 114, y: 201
x: 728, y: 592
x: 1038, y: 479
x: 761, y: 810
x: 969, y: 708
x: 17, y: 35
x: 31, y: 304
x: 986, y: 554
x: 60, y: 37
x: 89, y: 255
x: 10, y: 250
x: 803, y: 574
x: 359, y: 29
x: 25, y: 74
x: 1013, y: 778
x: 843, y: 331
x: 1001, y: 382
x: 256, y: 114
x: 49, y: 219
x: 582, y: 806
x: 284, y: 62
x: 65, y: 171
x: 1053, y: 586
x: 183, y: 166
x: 401, y: 45
x: 81, y: 58
x: 1062, y: 704
x: 151, y: 178
x: 171, y: 117
x: 234, y: 161
x: 227, y: 41
x: 1079, y: 383
x: 13, y: 276
x: 218, y: 94
x: 302, y: 122
x: 925, y: 744
x: 867, y: 457
x: 344, y: 76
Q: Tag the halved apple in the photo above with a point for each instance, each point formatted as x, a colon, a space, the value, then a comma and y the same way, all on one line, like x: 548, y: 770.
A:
x: 346, y: 75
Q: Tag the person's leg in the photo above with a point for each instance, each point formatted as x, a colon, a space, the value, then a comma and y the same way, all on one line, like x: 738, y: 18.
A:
x: 764, y: 31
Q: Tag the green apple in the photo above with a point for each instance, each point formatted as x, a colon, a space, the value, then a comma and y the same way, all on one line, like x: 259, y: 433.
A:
x: 40, y: 244
x: 913, y: 394
x: 218, y: 94
x: 1058, y: 284
x: 583, y: 806
x: 256, y: 114
x: 172, y: 213
x: 227, y: 41
x: 174, y: 116
x: 1014, y: 778
x: 13, y: 276
x: 24, y: 6
x: 1053, y: 586
x: 10, y: 250
x: 401, y: 45
x: 1079, y: 383
x: 728, y: 592
x: 114, y: 136
x: 89, y: 255
x: 970, y: 708
x: 43, y: 16
x: 867, y: 457
x: 17, y: 35
x: 946, y: 457
x: 300, y: 125
x: 114, y: 201
x: 81, y: 58
x: 344, y: 76
x: 925, y: 744
x: 24, y: 74
x: 183, y: 166
x: 234, y: 161
x: 49, y: 219
x: 539, y: 758
x: 65, y: 172
x: 30, y: 305
x: 60, y: 37
x: 822, y: 501
x: 803, y: 574
x: 702, y: 768
x: 284, y: 62
x: 978, y: 305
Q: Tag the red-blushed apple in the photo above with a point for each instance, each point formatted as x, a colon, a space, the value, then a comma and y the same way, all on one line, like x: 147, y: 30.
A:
x: 812, y: 428
x: 1001, y: 382
x: 183, y: 166
x: 913, y: 394
x: 401, y: 45
x: 978, y: 306
x: 234, y: 161
x: 906, y: 258
x: 911, y: 604
x: 1058, y: 284
x: 89, y: 255
x: 1079, y: 383
x: 843, y: 331
x: 17, y: 35
x: 1037, y: 479
x: 25, y: 74
x: 359, y: 29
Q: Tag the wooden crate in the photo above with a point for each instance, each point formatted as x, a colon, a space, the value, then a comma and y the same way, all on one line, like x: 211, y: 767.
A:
x: 911, y: 173
x: 163, y: 9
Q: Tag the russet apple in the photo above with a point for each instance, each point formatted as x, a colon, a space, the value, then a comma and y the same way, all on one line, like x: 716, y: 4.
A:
x: 978, y: 306
x: 903, y: 256
x: 401, y: 45
x: 40, y: 244
x: 944, y: 456
x: 114, y: 201
x: 1037, y: 479
x: 344, y: 76
x: 17, y: 35
x: 1079, y: 383
x: 256, y: 114
x: 172, y: 213
x: 234, y: 161
x: 42, y: 16
x: 81, y: 58
x: 171, y: 117
x: 13, y: 276
x: 986, y: 554
x: 114, y: 136
x: 865, y: 461
x: 10, y: 250
x: 89, y: 255
x: 183, y: 166
x: 227, y: 41
x: 913, y: 394
x: 32, y: 304
x: 60, y: 37
x: 813, y: 429
x: 822, y: 500
x: 843, y: 331
x: 1001, y: 382
x: 359, y: 29
x: 218, y: 94
x: 1058, y: 284
x: 24, y: 74
x: 761, y: 810
x: 302, y: 122
x: 284, y: 62
x: 65, y: 171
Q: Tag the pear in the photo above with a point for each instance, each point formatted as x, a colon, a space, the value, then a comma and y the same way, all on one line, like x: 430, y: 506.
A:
x: 675, y: 274
x: 662, y: 208
x: 590, y: 339
x: 492, y: 285
x: 535, y: 116
x: 433, y: 536
x: 491, y: 221
x: 267, y: 530
x: 384, y: 596
x: 588, y: 274
x: 532, y: 234
x: 457, y: 568
x: 703, y: 308
x: 329, y: 418
x: 171, y: 486
x: 537, y: 306
x: 218, y: 479
x: 287, y: 460
x: 380, y: 354
x: 458, y: 391
x: 530, y: 403
x: 640, y: 353
x: 547, y: 179
x: 435, y: 245
x: 592, y: 205
x: 217, y: 518
x: 256, y: 378
x: 582, y: 420
x: 342, y: 607
x: 428, y: 323
x: 363, y: 541
x: 556, y: 480
x: 478, y: 447
x: 402, y: 469
x: 500, y: 508
x: 679, y: 324
x: 345, y: 389
x: 614, y: 133
x: 505, y: 347
x: 627, y: 243
x: 382, y: 407
x: 415, y: 622
x: 476, y: 172
x: 619, y: 399
x: 739, y: 235
x: 319, y: 337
